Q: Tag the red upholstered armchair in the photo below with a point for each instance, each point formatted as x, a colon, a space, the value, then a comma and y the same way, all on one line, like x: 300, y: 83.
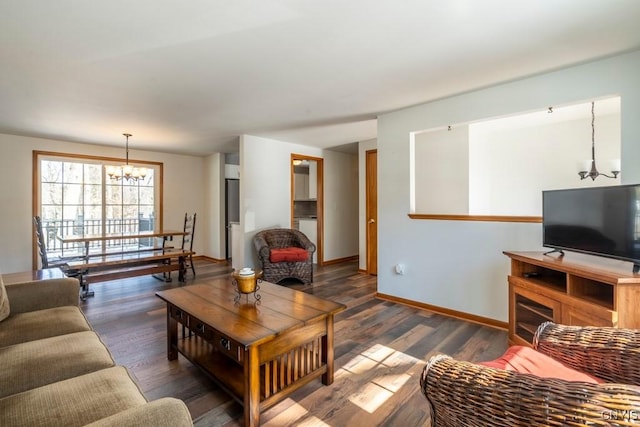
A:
x: 285, y: 253
x: 597, y: 384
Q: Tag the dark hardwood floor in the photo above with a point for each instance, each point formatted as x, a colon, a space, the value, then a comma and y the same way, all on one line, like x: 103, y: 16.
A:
x: 380, y: 348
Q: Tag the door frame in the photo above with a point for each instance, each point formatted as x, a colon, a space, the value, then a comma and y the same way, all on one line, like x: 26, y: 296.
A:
x: 319, y: 201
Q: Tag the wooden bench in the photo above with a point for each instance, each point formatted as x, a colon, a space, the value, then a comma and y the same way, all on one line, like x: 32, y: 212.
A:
x: 113, y: 266
x: 127, y: 253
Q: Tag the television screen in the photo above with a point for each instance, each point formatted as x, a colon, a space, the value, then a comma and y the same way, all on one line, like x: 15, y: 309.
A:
x: 599, y: 220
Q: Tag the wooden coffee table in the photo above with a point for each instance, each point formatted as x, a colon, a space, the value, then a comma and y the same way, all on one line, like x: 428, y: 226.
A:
x: 259, y: 353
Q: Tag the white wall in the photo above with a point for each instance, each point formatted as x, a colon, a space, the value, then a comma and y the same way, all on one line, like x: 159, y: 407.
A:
x: 213, y: 216
x: 232, y: 171
x: 184, y: 187
x: 363, y: 147
x: 441, y: 168
x: 456, y: 264
x: 340, y: 205
x: 265, y: 188
x: 313, y: 180
x: 265, y: 194
x: 510, y: 168
x: 486, y: 168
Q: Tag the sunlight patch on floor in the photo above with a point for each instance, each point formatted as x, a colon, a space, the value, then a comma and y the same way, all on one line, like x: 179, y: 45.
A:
x: 360, y: 364
x: 371, y: 397
x: 311, y: 421
x: 378, y: 352
x: 383, y: 360
x: 392, y: 383
x: 387, y: 369
x: 295, y: 414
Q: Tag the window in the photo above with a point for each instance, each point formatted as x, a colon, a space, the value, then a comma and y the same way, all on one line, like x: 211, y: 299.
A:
x: 76, y: 197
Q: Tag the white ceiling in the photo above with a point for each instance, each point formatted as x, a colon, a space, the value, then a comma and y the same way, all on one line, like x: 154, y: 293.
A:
x: 190, y: 76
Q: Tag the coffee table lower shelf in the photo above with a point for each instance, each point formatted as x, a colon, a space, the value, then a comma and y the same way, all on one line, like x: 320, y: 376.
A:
x: 279, y: 377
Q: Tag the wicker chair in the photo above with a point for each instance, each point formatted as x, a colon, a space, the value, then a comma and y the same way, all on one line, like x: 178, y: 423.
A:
x: 279, y: 238
x: 466, y: 394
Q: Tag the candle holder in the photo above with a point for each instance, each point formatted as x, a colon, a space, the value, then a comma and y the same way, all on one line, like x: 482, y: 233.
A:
x: 245, y: 284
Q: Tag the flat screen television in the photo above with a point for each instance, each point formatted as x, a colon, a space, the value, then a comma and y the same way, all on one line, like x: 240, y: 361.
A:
x: 598, y: 220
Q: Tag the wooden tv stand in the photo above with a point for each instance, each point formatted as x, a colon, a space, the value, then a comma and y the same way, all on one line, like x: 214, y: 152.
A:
x: 573, y: 289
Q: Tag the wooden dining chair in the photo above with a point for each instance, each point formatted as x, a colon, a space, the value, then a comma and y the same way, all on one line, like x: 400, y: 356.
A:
x: 45, y: 260
x: 59, y: 262
x: 187, y: 239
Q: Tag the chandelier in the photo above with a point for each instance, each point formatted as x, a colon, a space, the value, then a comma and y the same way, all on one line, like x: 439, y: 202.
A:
x: 126, y: 171
x: 588, y: 169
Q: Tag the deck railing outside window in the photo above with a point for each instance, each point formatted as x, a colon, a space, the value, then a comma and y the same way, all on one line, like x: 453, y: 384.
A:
x: 53, y: 229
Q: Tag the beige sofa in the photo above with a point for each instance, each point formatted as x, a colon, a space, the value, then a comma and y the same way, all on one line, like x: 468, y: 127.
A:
x: 55, y: 370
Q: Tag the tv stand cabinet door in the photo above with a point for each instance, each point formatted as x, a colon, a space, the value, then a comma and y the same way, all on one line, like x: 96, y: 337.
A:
x: 573, y: 316
x: 527, y: 310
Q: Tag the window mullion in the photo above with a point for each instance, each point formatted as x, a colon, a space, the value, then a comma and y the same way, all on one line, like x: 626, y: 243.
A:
x: 103, y: 213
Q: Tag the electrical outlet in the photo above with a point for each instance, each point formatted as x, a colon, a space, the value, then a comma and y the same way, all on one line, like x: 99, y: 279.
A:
x: 399, y: 268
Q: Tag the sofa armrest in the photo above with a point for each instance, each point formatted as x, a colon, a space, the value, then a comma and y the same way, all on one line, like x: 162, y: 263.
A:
x: 611, y: 354
x: 463, y: 393
x: 42, y: 294
x: 165, y: 412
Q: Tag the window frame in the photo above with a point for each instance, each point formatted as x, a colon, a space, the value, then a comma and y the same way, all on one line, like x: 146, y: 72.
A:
x: 104, y: 161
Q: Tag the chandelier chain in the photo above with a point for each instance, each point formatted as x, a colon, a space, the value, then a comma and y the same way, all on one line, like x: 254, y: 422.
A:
x: 593, y: 132
x: 592, y: 172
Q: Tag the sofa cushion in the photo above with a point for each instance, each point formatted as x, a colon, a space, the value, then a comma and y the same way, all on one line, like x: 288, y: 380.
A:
x: 40, y: 362
x: 35, y: 325
x: 168, y: 411
x: 289, y: 254
x: 4, y: 301
x: 73, y: 402
x: 529, y: 361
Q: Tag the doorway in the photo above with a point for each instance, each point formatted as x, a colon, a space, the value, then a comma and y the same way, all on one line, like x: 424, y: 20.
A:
x: 307, y: 199
x: 371, y: 178
x: 232, y: 210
